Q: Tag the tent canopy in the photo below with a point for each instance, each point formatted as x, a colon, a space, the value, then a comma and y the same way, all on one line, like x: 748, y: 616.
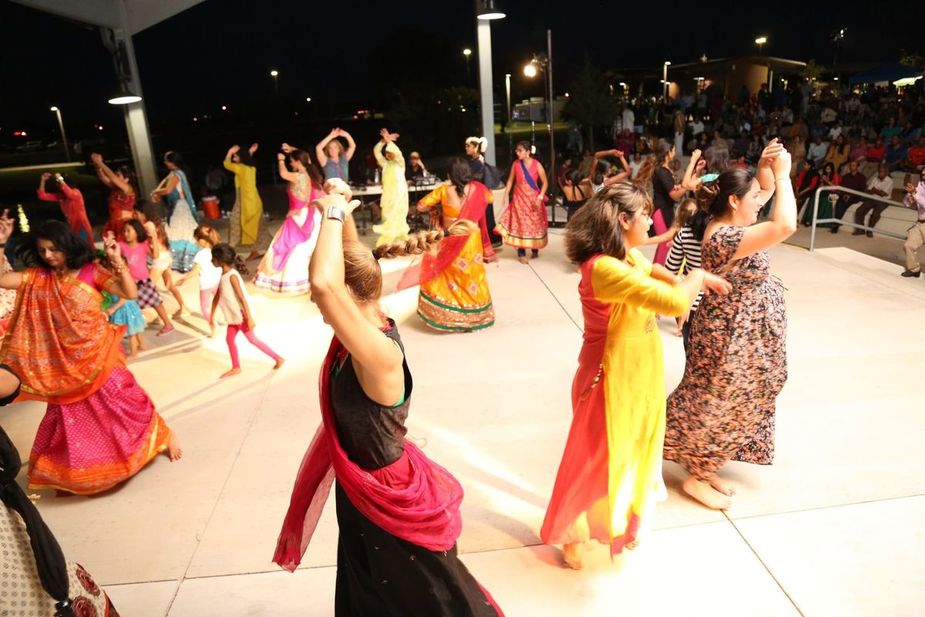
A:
x: 137, y: 15
x: 885, y: 72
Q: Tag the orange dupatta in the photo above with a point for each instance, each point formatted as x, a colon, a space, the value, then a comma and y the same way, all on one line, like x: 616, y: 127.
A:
x: 59, y: 341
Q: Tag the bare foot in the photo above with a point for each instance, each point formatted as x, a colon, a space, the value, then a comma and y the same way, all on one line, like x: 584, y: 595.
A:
x: 571, y: 555
x: 254, y: 255
x: 133, y: 356
x: 142, y: 345
x: 523, y: 259
x: 60, y: 493
x: 632, y: 546
x: 704, y: 493
x: 181, y: 312
x: 279, y: 363
x: 721, y: 485
x: 230, y: 373
x: 174, y: 451
x: 165, y: 330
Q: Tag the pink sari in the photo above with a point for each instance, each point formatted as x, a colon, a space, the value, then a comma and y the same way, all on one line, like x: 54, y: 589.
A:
x: 292, y: 234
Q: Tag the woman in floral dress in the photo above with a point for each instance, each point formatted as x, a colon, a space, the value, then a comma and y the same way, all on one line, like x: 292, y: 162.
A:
x: 737, y: 364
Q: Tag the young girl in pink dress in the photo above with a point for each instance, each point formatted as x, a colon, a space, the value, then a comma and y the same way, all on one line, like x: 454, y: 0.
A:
x: 523, y: 223
x: 135, y: 250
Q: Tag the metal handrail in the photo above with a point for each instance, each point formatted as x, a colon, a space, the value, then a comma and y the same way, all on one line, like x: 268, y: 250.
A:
x: 866, y: 196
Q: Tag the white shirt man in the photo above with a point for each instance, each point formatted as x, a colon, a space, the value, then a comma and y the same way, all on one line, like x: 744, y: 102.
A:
x: 880, y: 185
x: 816, y: 151
x: 629, y: 119
x: 696, y: 127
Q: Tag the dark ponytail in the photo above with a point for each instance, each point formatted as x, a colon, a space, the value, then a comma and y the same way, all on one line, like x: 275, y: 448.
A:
x: 224, y: 253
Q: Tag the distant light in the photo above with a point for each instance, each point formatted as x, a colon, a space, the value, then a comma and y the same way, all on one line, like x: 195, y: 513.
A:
x: 124, y: 97
x: 224, y: 108
x: 308, y: 99
x: 195, y: 119
x: 699, y: 78
x: 835, y: 78
x: 53, y: 108
x: 623, y: 84
x: 530, y: 70
x: 463, y: 109
x: 355, y: 117
x: 761, y: 40
x: 566, y: 95
x: 100, y: 127
x: 19, y: 133
x: 274, y: 73
x: 467, y: 52
x: 667, y: 62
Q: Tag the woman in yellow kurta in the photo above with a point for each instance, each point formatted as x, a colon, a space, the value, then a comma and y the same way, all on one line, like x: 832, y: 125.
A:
x: 247, y: 227
x: 610, y: 476
x: 454, y: 294
x: 394, y: 203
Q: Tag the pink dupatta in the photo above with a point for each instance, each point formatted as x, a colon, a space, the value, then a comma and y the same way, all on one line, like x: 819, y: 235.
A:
x: 413, y: 498
x: 451, y: 246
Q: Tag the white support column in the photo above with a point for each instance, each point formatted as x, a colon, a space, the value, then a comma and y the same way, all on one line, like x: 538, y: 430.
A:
x: 136, y: 119
x: 485, y: 88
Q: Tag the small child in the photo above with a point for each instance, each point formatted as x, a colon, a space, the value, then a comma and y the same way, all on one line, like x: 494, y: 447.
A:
x: 209, y: 275
x: 235, y: 303
x: 162, y: 262
x: 126, y: 313
x: 134, y: 247
x: 683, y: 216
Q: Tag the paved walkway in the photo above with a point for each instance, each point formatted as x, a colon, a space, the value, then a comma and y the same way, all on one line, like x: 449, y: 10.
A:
x: 833, y: 528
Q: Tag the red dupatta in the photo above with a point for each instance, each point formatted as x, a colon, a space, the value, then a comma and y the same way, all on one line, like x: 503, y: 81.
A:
x: 451, y: 246
x: 413, y: 498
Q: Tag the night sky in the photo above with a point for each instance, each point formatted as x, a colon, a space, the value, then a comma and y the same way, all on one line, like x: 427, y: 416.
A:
x: 221, y: 51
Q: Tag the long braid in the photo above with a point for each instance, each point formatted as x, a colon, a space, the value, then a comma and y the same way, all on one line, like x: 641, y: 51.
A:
x: 415, y: 244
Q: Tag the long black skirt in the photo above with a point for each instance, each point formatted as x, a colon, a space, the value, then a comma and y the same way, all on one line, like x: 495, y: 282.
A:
x: 380, y: 575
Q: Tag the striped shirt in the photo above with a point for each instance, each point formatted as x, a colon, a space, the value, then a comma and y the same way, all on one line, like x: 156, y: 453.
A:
x: 684, y: 256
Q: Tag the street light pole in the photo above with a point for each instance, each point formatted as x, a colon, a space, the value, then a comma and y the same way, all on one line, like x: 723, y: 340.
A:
x: 549, y: 120
x: 468, y: 53
x: 67, y: 151
x: 275, y: 75
x: 665, y: 80
x: 507, y: 128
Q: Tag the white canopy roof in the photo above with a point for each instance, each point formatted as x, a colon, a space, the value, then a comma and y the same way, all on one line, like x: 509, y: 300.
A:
x: 138, y: 15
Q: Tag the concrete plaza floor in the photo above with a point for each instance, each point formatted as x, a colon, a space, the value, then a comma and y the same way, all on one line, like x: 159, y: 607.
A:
x: 834, y: 527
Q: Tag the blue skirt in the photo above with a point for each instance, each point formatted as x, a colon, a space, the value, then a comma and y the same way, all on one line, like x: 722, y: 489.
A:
x: 129, y: 315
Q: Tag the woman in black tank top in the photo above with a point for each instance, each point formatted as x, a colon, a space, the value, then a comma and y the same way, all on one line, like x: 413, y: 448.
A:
x: 398, y: 512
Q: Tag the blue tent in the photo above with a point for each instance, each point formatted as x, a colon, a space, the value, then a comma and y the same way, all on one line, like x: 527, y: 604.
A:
x: 885, y: 72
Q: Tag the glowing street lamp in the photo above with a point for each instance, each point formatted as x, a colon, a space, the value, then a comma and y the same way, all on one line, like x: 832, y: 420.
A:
x: 275, y: 75
x: 665, y: 66
x: 67, y: 151
x: 467, y: 53
x: 760, y: 41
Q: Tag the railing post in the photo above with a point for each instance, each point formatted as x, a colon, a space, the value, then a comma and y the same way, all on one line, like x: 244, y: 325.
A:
x: 812, y: 232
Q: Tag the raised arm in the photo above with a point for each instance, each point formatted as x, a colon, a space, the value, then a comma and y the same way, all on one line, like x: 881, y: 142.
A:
x: 8, y: 280
x: 377, y: 152
x: 41, y: 193
x: 375, y: 353
x: 98, y: 165
x: 351, y: 145
x: 229, y: 163
x: 320, y: 156
x: 620, y: 175
x: 70, y: 193
x: 695, y: 164
x: 765, y: 174
x: 122, y: 284
x: 108, y: 177
x: 784, y: 218
x: 284, y: 172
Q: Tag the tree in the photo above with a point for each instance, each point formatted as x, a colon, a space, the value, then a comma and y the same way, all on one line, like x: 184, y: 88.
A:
x: 812, y: 71
x: 912, y: 58
x: 590, y: 101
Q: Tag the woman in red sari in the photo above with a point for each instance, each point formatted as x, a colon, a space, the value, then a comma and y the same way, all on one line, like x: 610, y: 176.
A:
x: 397, y: 511
x: 454, y: 294
x: 121, y: 201
x: 100, y: 427
x: 523, y: 223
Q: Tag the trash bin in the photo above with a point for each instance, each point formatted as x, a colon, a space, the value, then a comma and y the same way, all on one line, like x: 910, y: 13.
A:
x: 210, y: 207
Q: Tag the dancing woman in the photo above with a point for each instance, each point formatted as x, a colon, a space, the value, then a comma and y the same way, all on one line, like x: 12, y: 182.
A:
x: 394, y: 202
x: 610, y: 476
x: 665, y: 192
x: 454, y: 294
x: 397, y: 511
x: 100, y: 427
x: 284, y: 267
x: 71, y: 201
x: 121, y: 201
x: 723, y: 408
x: 523, y: 223
x: 175, y: 187
x: 489, y: 176
x: 247, y: 228
x: 331, y: 156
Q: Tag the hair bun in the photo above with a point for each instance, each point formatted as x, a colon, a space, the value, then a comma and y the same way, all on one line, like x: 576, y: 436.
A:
x: 707, y: 193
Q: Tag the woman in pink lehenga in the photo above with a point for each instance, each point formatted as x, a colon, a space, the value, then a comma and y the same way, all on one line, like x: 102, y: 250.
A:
x: 284, y: 267
x: 523, y: 223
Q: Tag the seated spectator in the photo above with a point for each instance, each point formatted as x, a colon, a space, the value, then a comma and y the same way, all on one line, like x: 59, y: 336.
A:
x: 915, y: 157
x: 877, y: 151
x: 807, y: 179
x: 895, y: 154
x: 827, y: 177
x: 858, y: 150
x: 855, y: 181
x: 910, y: 133
x: 890, y: 129
x: 740, y: 145
x: 838, y: 153
x: 415, y: 171
x: 817, y: 150
x: 882, y: 186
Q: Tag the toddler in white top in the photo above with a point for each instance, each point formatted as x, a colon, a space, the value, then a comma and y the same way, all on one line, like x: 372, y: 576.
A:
x: 232, y: 296
x: 209, y: 274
